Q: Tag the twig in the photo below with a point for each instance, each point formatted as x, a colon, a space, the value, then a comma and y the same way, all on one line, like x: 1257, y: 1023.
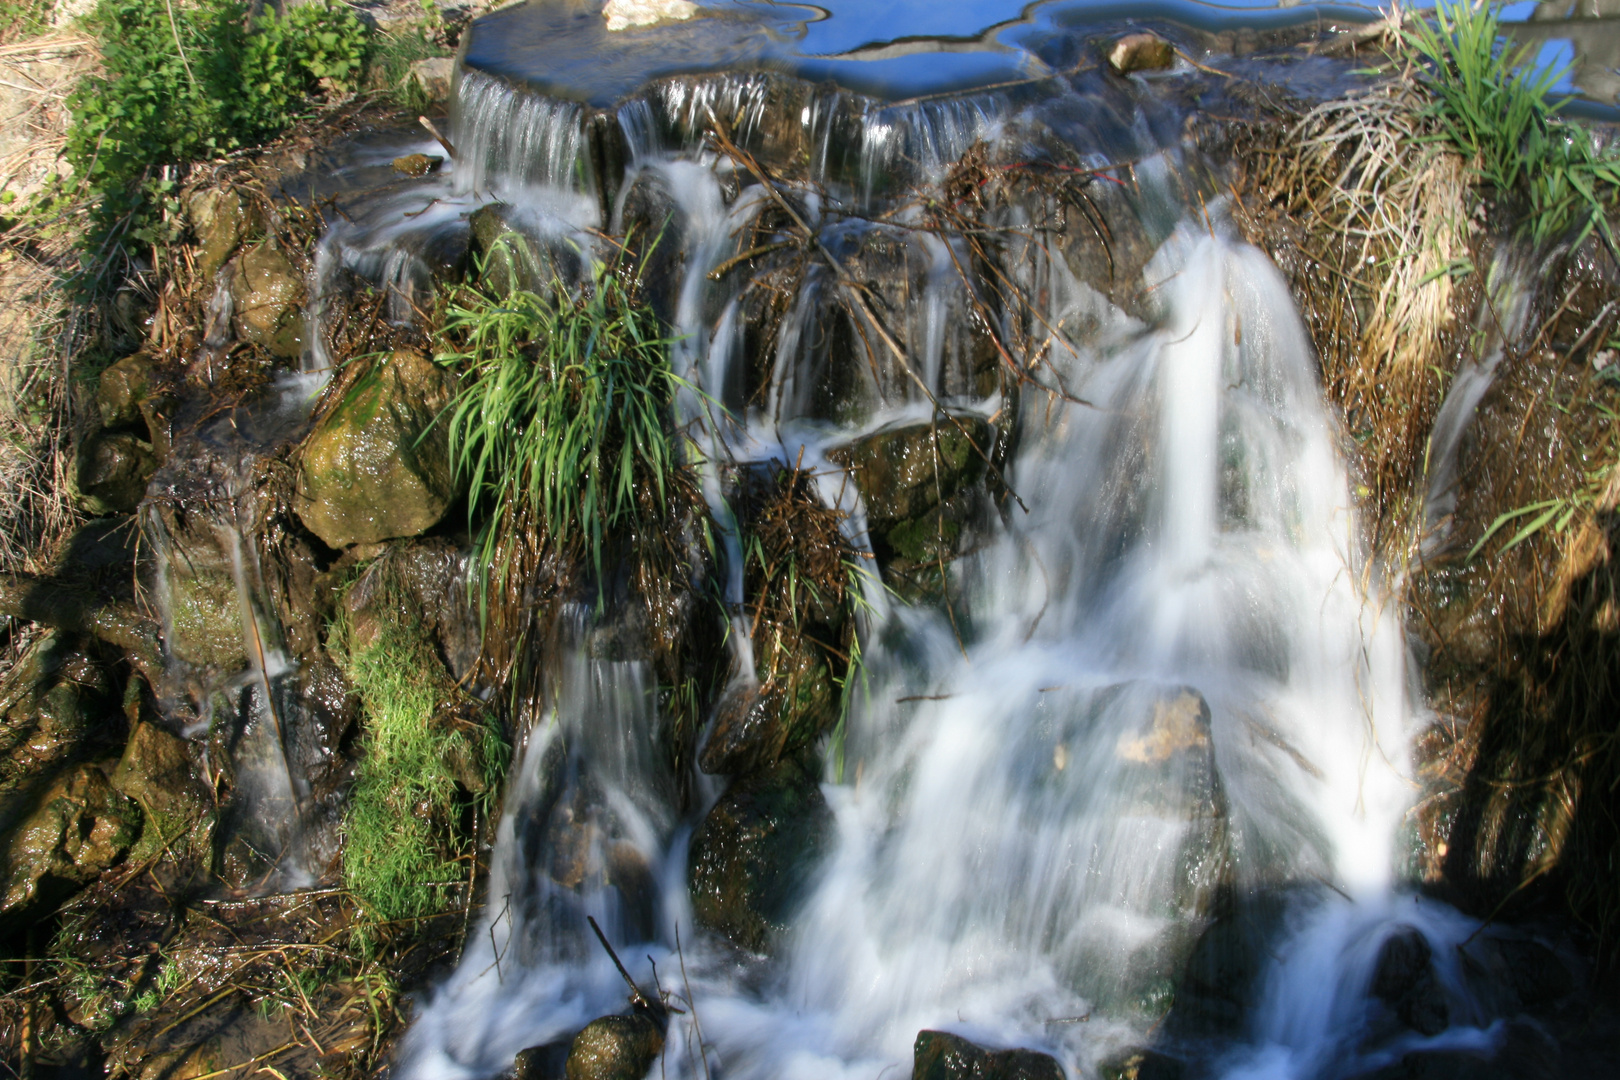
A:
x: 637, y: 998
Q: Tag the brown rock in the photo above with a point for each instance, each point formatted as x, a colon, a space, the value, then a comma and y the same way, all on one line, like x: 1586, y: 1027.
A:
x: 417, y: 164
x: 81, y: 826
x: 939, y: 1055
x: 615, y: 1048
x: 378, y: 467
x: 1141, y: 52
x: 267, y: 297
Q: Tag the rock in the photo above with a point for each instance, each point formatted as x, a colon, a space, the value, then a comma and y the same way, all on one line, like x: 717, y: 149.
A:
x: 1539, y: 976
x: 755, y: 849
x: 157, y: 772
x: 220, y: 222
x: 417, y: 164
x: 622, y: 14
x: 201, y: 1060
x: 615, y: 1048
x: 111, y: 470
x: 794, y: 704
x: 545, y: 1062
x: 267, y: 297
x: 436, y: 76
x: 939, y: 1055
x: 910, y: 478
x: 1404, y: 979
x: 81, y: 827
x: 510, y: 259
x: 1141, y: 52
x: 1142, y: 1063
x: 373, y: 469
x: 198, y: 587
x: 121, y: 391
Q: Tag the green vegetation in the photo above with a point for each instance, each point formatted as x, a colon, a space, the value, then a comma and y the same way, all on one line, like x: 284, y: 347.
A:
x: 1491, y: 104
x: 20, y: 17
x: 560, y: 428
x: 184, y: 82
x: 400, y: 849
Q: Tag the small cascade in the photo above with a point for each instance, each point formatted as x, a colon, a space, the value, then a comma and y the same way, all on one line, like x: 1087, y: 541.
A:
x: 1167, y: 683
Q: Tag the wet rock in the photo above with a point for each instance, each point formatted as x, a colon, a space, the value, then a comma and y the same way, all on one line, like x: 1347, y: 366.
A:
x: 1142, y: 1063
x: 373, y: 469
x: 546, y: 1062
x: 623, y: 14
x: 414, y: 165
x: 939, y: 1055
x: 158, y: 773
x: 794, y: 703
x: 61, y: 708
x: 511, y: 259
x: 916, y: 482
x: 1404, y: 979
x: 1539, y: 978
x: 1141, y: 52
x: 221, y: 221
x: 111, y: 470
x: 81, y: 827
x: 204, y: 1059
x: 615, y: 1048
x: 267, y: 298
x: 198, y: 584
x: 755, y: 849
x: 436, y: 76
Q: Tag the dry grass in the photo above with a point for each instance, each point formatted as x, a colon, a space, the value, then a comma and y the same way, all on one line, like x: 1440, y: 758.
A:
x: 1371, y: 220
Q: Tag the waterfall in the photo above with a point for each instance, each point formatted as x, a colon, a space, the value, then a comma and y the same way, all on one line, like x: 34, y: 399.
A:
x: 1183, y: 681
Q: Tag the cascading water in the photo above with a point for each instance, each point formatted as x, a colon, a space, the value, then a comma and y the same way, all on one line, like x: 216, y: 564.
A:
x: 1179, y: 682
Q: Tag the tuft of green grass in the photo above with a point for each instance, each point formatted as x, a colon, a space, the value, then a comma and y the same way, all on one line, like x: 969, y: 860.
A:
x: 401, y: 846
x: 561, y: 425
x: 1492, y: 105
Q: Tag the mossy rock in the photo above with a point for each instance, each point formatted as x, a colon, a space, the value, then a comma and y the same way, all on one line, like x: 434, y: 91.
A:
x: 512, y: 259
x: 755, y: 849
x: 221, y: 221
x: 615, y: 1048
x: 80, y: 827
x: 921, y: 486
x: 110, y: 471
x: 939, y: 1055
x: 157, y: 771
x: 793, y: 704
x: 378, y: 467
x: 267, y: 300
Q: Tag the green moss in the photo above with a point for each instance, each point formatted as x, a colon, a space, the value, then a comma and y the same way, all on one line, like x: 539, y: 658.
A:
x: 402, y: 838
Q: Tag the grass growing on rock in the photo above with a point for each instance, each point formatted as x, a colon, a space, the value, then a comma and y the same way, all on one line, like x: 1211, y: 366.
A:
x: 1491, y: 103
x: 561, y: 427
x: 401, y: 830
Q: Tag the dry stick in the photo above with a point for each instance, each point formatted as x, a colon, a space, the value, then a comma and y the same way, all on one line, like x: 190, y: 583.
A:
x: 433, y: 131
x: 637, y: 998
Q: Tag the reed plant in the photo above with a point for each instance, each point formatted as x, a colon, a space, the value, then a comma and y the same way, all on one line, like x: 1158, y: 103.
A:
x: 561, y: 428
x: 1494, y: 105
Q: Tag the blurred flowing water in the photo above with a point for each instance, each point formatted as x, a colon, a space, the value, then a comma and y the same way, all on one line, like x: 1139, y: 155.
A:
x: 1178, y: 683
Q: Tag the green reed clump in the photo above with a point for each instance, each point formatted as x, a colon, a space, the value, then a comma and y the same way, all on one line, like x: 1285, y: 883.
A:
x: 561, y: 425
x: 1491, y: 104
x: 400, y: 848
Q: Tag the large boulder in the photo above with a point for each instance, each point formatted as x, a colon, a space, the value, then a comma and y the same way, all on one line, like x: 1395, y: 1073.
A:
x: 267, y: 300
x: 377, y: 466
x: 615, y: 1048
x: 939, y: 1055
x: 80, y: 827
x: 755, y: 849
